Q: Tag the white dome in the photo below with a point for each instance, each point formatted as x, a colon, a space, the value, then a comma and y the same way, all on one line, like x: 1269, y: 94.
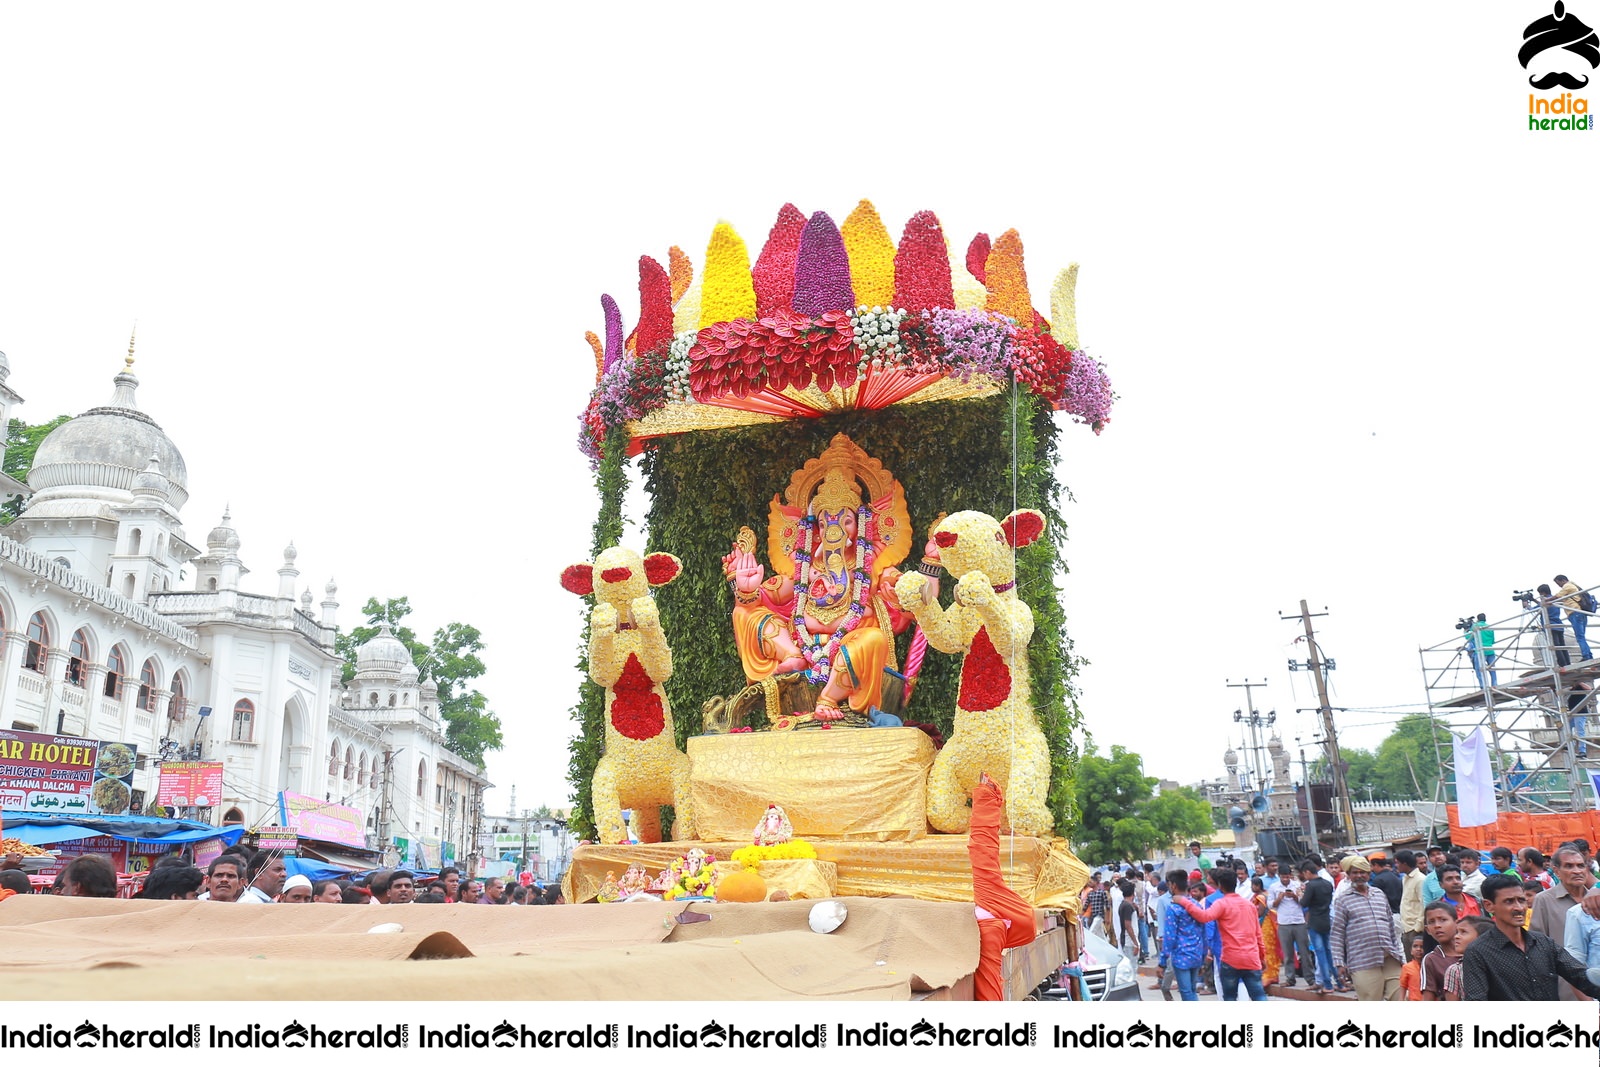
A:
x: 99, y: 456
x: 222, y: 536
x: 383, y: 654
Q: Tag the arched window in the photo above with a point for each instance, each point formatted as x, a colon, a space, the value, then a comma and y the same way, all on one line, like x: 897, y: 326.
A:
x: 422, y: 777
x: 116, y: 668
x: 212, y: 582
x: 78, y: 658
x: 147, y: 686
x: 349, y: 764
x: 334, y: 767
x: 134, y: 541
x: 405, y: 698
x: 244, y: 721
x: 178, y: 706
x: 232, y: 816
x: 391, y: 700
x: 361, y: 772
x: 374, y: 699
x: 38, y: 643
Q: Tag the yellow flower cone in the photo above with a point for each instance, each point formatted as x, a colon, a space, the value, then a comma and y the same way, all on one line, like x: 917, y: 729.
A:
x: 871, y: 252
x: 1064, y: 307
x: 728, y: 291
x: 1008, y: 280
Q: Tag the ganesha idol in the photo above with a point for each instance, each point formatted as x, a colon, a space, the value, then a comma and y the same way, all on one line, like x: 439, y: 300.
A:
x: 828, y: 610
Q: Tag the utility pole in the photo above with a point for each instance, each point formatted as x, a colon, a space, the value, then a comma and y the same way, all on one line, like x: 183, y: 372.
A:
x: 1255, y: 721
x: 1319, y: 671
x: 527, y: 813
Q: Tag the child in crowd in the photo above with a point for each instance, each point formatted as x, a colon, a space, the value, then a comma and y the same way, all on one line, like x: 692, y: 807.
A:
x: 1439, y: 925
x: 1467, y: 931
x: 1411, y: 973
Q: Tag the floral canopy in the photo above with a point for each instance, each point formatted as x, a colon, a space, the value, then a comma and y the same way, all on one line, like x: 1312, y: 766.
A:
x: 833, y: 318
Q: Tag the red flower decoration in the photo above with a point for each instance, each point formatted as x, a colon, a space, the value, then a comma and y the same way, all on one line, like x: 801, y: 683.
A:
x: 978, y: 258
x: 985, y: 678
x: 655, y: 307
x: 636, y: 709
x: 579, y: 579
x: 613, y: 575
x: 922, y: 266
x: 944, y: 538
x: 773, y: 273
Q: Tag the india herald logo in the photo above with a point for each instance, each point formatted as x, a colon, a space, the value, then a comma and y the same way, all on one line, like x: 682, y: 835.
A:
x: 1558, y: 40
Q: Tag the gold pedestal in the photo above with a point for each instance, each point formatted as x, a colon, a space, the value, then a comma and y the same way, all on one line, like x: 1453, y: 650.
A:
x: 935, y: 867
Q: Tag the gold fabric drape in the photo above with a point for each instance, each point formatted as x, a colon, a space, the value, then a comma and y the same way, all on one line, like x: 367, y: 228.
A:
x: 862, y: 784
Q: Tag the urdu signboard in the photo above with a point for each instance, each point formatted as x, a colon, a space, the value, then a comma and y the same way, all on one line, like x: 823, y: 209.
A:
x: 65, y: 775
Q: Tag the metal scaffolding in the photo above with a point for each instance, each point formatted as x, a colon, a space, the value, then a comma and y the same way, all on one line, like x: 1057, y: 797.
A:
x: 1534, y: 694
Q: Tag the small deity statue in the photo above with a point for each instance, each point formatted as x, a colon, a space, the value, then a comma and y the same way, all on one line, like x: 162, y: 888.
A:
x: 828, y: 608
x: 610, y: 891
x: 634, y: 880
x: 694, y: 862
x: 774, y: 828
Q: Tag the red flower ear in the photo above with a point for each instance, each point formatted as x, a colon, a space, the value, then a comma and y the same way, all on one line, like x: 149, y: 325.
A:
x: 661, y: 567
x: 1022, y: 527
x: 944, y: 538
x: 579, y: 579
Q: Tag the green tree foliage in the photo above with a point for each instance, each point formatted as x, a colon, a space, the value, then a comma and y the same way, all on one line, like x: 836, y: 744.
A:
x: 452, y: 661
x: 1122, y: 818
x: 1404, y: 767
x: 22, y: 441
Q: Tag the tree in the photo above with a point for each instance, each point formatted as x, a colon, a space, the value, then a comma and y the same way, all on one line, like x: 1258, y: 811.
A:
x: 22, y: 442
x: 451, y: 661
x: 1121, y: 817
x: 1404, y: 767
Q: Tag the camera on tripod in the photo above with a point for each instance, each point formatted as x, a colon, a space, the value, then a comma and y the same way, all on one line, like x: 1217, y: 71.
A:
x: 1466, y: 622
x: 1524, y: 596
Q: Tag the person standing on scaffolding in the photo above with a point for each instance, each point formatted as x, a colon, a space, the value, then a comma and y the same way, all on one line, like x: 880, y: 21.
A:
x: 1480, y: 650
x: 1574, y: 600
x: 1546, y: 603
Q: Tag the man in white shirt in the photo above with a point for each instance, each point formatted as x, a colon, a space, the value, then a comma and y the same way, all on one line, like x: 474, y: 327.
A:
x: 1293, y: 935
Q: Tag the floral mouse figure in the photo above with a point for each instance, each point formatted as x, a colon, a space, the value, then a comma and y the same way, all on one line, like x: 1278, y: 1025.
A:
x: 629, y: 658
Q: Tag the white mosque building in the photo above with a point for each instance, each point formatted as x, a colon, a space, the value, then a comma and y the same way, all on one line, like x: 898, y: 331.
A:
x: 114, y: 626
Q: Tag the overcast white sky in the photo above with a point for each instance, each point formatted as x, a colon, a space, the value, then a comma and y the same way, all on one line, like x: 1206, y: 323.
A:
x: 1346, y: 296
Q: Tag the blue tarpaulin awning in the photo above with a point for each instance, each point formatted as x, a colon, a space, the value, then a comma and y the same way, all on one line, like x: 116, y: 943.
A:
x: 42, y: 829
x: 49, y: 835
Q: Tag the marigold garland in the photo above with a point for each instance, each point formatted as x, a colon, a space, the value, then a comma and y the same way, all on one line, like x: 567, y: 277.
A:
x: 1007, y: 280
x: 871, y: 253
x: 922, y: 266
x: 753, y: 856
x: 773, y: 273
x: 599, y: 353
x: 680, y: 270
x: 728, y: 292
x: 822, y: 269
x: 655, y: 307
x: 978, y: 258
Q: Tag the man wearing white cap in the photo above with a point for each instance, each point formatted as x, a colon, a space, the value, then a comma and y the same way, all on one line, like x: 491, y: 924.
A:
x: 296, y: 890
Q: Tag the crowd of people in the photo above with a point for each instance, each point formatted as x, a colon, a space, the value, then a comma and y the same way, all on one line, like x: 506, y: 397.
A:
x: 1425, y: 925
x: 243, y: 875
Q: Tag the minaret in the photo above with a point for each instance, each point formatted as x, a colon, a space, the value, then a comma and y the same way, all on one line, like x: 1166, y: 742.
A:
x: 287, y: 573
x: 330, y: 605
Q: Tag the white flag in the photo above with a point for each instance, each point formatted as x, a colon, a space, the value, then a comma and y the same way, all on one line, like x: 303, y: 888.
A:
x: 1474, y: 779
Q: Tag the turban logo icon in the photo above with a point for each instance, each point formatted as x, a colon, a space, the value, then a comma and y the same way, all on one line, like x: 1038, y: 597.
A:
x: 1564, y: 31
